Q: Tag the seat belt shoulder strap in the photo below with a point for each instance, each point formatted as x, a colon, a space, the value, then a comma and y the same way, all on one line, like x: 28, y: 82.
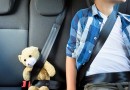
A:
x: 48, y: 46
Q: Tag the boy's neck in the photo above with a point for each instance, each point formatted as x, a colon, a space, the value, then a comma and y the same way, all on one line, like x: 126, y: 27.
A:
x: 104, y: 6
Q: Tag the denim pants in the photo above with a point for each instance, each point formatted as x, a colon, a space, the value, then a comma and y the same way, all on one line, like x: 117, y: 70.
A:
x: 108, y: 86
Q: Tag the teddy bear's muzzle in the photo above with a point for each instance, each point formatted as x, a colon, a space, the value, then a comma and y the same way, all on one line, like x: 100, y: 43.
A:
x: 30, y: 62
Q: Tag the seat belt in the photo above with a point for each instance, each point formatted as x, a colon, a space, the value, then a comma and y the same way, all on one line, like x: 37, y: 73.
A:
x: 46, y: 51
x: 89, y: 2
x: 107, y: 28
x: 25, y: 85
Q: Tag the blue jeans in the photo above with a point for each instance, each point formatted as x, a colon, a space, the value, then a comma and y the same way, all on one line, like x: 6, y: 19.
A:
x: 108, y: 86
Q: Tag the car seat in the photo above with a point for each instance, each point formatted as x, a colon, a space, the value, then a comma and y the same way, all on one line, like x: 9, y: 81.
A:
x: 13, y: 39
x: 28, y: 23
x: 43, y: 14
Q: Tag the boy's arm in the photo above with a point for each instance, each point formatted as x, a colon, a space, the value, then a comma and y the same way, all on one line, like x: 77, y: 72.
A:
x: 71, y: 73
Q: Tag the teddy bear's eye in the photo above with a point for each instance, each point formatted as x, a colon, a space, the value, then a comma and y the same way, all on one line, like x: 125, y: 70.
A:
x: 30, y: 55
x: 24, y: 59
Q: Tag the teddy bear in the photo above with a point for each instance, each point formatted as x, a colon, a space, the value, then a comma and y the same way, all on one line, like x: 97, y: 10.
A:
x: 28, y: 58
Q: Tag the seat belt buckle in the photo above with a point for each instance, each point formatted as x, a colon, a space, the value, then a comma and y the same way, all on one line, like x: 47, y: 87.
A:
x: 25, y: 85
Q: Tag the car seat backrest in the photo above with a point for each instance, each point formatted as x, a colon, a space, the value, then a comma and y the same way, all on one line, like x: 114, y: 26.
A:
x: 43, y: 14
x: 6, y: 6
x: 13, y: 39
x: 125, y: 7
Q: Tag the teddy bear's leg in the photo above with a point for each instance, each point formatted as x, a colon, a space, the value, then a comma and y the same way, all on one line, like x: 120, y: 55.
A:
x: 33, y: 88
x: 44, y: 88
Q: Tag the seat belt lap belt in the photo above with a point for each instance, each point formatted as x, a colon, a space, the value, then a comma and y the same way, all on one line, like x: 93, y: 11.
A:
x: 107, y: 28
x: 45, y: 53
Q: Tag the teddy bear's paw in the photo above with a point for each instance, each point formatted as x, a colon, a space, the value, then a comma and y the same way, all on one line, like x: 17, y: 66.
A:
x: 33, y: 88
x: 44, y: 88
x: 26, y: 78
x: 41, y: 76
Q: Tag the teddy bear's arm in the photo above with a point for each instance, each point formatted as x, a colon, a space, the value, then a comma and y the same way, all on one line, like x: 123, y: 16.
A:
x: 43, y: 75
x: 50, y: 69
x: 26, y: 73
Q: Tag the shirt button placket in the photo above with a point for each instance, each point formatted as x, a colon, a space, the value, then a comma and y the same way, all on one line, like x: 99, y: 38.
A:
x: 90, y: 51
x: 95, y: 38
x: 100, y: 23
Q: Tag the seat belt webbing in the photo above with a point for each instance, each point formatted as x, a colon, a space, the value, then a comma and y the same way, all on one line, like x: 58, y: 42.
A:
x: 48, y: 46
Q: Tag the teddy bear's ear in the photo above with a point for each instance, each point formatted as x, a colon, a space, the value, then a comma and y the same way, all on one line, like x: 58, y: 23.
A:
x: 36, y: 48
x: 33, y: 48
x: 19, y: 57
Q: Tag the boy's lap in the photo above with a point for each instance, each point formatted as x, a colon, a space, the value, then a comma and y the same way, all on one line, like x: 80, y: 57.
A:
x: 102, y: 87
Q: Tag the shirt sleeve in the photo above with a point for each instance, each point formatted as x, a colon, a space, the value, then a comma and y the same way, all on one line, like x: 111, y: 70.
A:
x: 71, y: 45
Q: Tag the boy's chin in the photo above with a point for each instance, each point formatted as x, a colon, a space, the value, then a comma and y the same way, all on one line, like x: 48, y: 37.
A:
x: 119, y: 1
x: 122, y: 1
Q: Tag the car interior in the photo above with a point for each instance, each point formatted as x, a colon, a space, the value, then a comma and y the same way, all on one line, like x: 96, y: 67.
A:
x: 25, y: 23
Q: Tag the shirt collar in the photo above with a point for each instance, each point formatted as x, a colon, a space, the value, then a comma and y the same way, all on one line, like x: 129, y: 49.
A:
x: 124, y: 17
x: 96, y: 12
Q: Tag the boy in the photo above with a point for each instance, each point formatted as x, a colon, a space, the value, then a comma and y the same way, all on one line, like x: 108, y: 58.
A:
x: 114, y: 55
